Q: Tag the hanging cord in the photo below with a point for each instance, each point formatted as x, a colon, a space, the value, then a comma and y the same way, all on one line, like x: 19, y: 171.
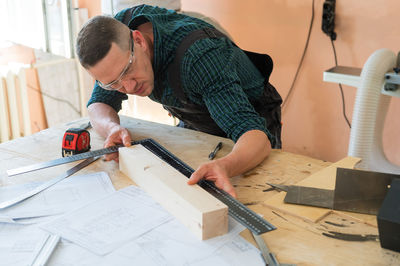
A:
x: 302, y: 57
x: 341, y: 89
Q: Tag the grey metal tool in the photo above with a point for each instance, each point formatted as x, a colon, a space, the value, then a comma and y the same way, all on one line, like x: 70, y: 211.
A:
x: 268, y: 256
x: 236, y: 209
x: 361, y: 191
x: 307, y: 195
x: 47, y: 184
x: 355, y: 191
x: 63, y: 160
x: 46, y: 251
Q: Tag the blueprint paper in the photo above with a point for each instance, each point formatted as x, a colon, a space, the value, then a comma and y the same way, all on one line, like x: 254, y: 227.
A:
x: 170, y: 239
x: 107, y: 224
x: 70, y: 254
x: 170, y: 243
x: 64, y: 196
x: 20, y: 244
x: 236, y: 252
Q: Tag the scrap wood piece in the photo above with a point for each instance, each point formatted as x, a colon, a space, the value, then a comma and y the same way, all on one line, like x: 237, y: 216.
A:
x: 324, y: 179
x: 198, y: 210
x: 359, y: 217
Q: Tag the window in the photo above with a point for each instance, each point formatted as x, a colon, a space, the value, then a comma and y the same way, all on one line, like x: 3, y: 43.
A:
x: 40, y: 24
x: 21, y: 21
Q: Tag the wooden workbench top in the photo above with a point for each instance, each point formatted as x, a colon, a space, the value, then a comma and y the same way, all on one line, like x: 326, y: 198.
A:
x: 296, y: 241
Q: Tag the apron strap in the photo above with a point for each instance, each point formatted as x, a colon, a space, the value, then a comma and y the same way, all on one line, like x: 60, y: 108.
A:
x: 174, y: 69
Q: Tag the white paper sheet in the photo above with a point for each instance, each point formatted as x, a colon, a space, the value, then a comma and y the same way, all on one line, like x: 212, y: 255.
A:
x: 20, y: 244
x: 171, y: 243
x: 236, y: 252
x: 69, y: 194
x: 6, y: 219
x: 70, y: 254
x: 107, y: 224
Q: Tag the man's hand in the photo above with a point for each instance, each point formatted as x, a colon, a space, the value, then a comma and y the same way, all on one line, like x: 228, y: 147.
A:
x: 250, y: 149
x: 117, y: 135
x: 216, y: 172
x: 105, y: 121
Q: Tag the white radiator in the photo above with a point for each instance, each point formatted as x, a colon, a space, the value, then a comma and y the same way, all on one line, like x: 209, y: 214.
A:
x: 14, y: 108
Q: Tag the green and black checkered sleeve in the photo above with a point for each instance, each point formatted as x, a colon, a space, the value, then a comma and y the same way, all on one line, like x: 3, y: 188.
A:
x: 111, y: 98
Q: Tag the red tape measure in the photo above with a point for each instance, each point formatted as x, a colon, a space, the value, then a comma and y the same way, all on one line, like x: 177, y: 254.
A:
x: 76, y: 140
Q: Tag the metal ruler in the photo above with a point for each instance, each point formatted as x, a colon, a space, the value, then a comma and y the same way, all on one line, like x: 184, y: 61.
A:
x: 237, y: 210
x: 63, y: 160
x: 47, y: 184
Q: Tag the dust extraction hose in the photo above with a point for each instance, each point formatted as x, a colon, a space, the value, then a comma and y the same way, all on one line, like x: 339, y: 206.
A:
x: 369, y: 113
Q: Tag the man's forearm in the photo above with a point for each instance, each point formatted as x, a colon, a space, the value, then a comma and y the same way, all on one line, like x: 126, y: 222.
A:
x: 250, y: 150
x: 103, y: 117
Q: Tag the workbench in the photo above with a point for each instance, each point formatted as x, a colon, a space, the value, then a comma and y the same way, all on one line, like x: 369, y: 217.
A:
x: 295, y: 241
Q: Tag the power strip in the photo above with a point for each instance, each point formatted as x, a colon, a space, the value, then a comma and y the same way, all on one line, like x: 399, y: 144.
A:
x: 328, y: 18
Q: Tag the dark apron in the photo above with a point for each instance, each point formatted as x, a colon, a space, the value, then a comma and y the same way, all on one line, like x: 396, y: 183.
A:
x: 198, y: 117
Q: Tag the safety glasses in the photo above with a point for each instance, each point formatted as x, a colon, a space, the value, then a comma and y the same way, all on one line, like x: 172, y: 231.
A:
x: 116, y: 84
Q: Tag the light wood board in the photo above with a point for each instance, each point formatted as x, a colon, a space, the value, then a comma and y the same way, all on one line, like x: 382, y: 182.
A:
x: 324, y: 179
x: 198, y: 210
x: 296, y: 240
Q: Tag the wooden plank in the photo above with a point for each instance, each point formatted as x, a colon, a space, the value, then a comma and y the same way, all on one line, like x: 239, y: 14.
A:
x: 13, y: 105
x: 279, y: 167
x: 203, y: 214
x: 324, y: 179
x: 18, y: 98
x: 61, y: 104
x: 301, y: 242
x: 4, y: 112
x: 37, y: 113
x: 80, y: 16
x: 26, y: 120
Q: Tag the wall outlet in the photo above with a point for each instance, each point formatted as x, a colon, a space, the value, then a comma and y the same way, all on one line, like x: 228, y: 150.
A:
x: 328, y: 18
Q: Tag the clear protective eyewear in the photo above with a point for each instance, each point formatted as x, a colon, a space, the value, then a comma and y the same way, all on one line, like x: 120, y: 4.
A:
x: 116, y: 84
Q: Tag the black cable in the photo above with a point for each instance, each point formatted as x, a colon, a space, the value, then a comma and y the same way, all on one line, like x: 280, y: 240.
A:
x: 341, y: 89
x: 302, y: 57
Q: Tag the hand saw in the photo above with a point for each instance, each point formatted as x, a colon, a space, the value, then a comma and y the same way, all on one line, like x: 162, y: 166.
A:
x: 355, y: 191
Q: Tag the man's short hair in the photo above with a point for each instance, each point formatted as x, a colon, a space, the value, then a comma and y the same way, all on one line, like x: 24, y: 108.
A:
x: 96, y: 36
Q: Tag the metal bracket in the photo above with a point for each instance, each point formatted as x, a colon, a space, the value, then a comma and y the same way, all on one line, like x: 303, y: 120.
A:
x: 392, y: 79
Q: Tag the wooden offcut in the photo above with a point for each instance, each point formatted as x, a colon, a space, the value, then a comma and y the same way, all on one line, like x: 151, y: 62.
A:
x: 199, y: 211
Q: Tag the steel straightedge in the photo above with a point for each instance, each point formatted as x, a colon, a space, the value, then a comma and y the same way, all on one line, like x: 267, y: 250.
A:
x: 237, y: 210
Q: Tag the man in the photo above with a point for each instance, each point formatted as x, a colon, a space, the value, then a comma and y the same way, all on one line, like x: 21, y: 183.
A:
x: 211, y: 85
